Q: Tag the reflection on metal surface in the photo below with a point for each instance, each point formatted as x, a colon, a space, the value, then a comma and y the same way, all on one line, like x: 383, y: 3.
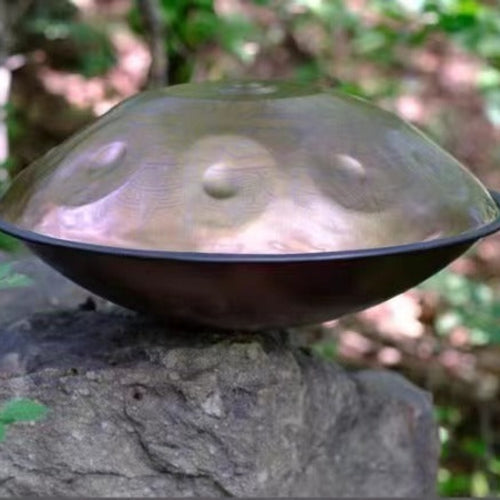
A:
x: 91, y: 176
x: 218, y: 181
x: 252, y: 167
x: 247, y: 88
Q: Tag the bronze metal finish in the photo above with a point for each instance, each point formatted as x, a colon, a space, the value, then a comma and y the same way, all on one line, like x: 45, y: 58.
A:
x: 247, y: 168
x: 248, y: 205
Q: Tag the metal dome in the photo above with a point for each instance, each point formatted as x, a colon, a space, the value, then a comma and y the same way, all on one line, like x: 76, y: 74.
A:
x: 248, y: 205
x: 247, y: 168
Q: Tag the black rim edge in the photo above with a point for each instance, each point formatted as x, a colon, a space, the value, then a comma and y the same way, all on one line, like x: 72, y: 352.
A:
x: 466, y: 237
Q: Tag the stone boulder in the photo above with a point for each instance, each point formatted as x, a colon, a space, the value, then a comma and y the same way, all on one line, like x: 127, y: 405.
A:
x: 140, y: 410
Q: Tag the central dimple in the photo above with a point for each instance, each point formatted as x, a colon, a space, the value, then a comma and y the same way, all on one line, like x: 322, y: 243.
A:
x: 219, y: 181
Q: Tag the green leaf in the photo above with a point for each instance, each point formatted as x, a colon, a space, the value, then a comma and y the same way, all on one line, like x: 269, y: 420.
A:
x: 444, y: 435
x: 494, y: 466
x: 454, y: 484
x: 234, y: 31
x: 22, y: 410
x: 479, y: 336
x: 2, y: 432
x: 488, y: 79
x: 479, y: 485
x: 327, y: 349
x: 489, y: 46
x: 9, y: 279
x: 449, y: 415
x: 200, y: 27
x: 446, y: 322
x: 475, y: 447
x: 370, y: 41
x: 492, y: 106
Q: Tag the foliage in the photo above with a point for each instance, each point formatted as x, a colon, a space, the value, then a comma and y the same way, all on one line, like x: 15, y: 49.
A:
x: 20, y: 410
x: 406, y: 25
x: 7, y: 243
x: 193, y: 25
x: 461, y: 445
x: 326, y: 349
x: 469, y: 467
x: 472, y: 25
x: 10, y: 279
x: 329, y: 39
x: 466, y: 303
x: 68, y: 42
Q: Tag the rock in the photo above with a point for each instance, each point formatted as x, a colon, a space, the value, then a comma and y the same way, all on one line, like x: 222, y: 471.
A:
x: 50, y: 291
x: 140, y: 410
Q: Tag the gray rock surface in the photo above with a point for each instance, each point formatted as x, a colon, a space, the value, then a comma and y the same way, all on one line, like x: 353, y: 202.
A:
x: 50, y: 292
x: 137, y: 409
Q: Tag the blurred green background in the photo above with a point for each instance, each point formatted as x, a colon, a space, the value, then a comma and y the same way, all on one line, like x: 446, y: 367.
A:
x: 436, y: 63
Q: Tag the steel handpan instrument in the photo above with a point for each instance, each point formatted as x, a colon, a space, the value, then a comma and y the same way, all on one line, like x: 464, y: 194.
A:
x: 248, y: 205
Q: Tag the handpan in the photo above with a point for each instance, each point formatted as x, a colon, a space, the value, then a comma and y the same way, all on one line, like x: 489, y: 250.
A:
x: 248, y: 205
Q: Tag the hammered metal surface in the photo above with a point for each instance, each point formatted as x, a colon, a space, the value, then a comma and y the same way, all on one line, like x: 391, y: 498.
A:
x: 247, y: 168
